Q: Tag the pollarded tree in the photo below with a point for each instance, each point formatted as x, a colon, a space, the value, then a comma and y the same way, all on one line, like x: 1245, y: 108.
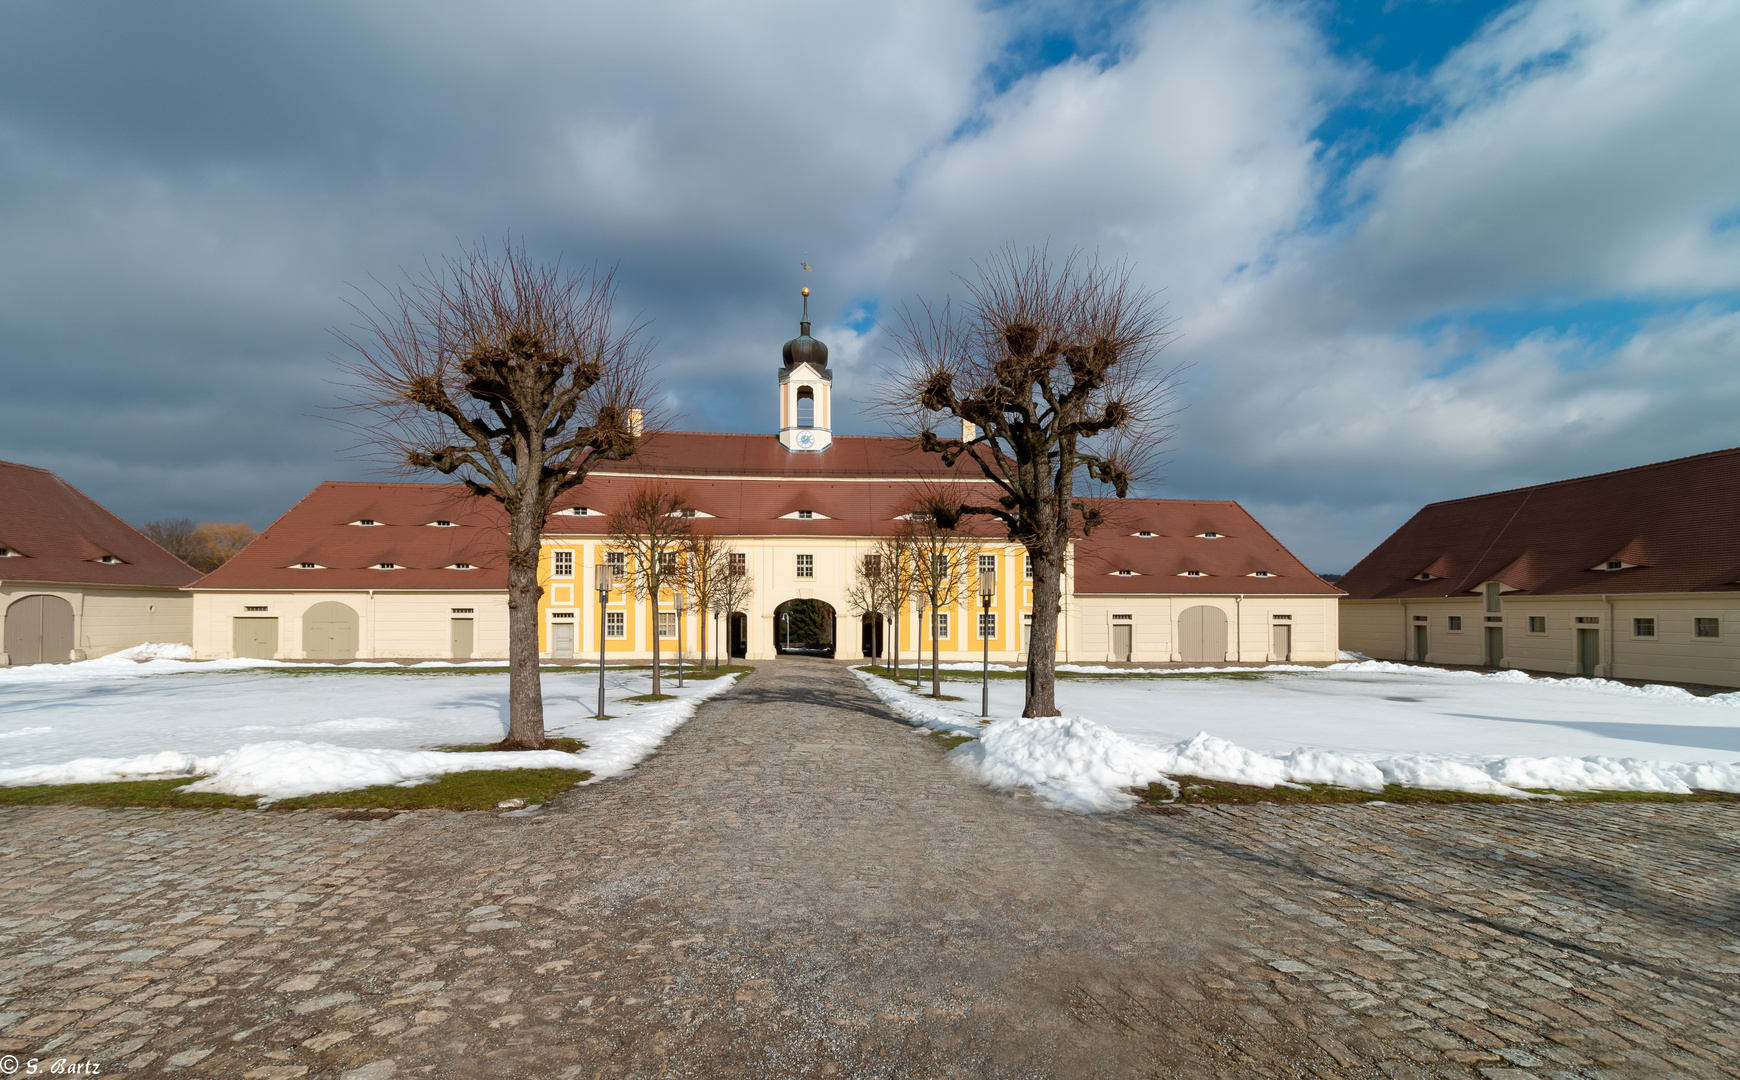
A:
x: 512, y: 376
x: 882, y: 583
x: 1055, y: 367
x: 711, y: 575
x: 939, y: 557
x: 653, y: 527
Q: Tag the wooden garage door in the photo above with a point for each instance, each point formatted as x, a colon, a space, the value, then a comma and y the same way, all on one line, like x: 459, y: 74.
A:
x: 256, y: 638
x: 329, y: 632
x: 1202, y: 635
x: 39, y: 630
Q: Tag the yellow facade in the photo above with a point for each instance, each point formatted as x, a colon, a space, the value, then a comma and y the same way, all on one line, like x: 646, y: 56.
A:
x: 772, y: 563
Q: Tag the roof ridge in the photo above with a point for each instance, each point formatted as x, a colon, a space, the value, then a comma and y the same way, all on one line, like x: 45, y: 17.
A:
x: 1531, y: 488
x: 32, y: 468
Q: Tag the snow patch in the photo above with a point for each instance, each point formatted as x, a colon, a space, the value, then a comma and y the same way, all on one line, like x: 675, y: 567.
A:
x: 289, y: 768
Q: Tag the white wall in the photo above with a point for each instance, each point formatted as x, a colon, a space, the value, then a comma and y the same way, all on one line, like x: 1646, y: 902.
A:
x: 390, y: 625
x: 107, y: 619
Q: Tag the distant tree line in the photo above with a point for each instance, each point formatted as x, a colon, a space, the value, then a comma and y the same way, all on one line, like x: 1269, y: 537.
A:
x: 205, y: 547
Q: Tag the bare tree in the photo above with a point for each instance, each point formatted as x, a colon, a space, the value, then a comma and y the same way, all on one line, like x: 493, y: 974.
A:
x: 221, y: 541
x: 512, y: 376
x: 939, y: 557
x: 203, y: 547
x: 708, y: 576
x: 652, y: 529
x: 731, y: 591
x: 178, y: 536
x: 1056, y: 368
x: 881, y: 583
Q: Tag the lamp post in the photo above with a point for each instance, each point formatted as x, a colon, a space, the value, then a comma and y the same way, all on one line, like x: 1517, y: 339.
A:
x: 921, y: 597
x: 603, y: 575
x: 682, y: 610
x: 987, y: 589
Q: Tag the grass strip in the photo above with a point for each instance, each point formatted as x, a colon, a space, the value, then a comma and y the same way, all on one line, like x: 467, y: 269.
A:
x: 124, y: 793
x: 480, y: 790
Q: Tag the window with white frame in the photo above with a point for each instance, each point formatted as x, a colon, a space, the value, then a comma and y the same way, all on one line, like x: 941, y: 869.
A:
x: 1643, y: 628
x: 987, y: 625
x: 1027, y: 567
x: 618, y: 563
x: 667, y: 624
x: 940, y: 620
x: 667, y: 564
x: 806, y: 515
x: 739, y: 563
x: 561, y: 564
x: 939, y: 566
x: 1537, y: 624
x: 615, y: 624
x: 1706, y: 628
x: 987, y: 564
x: 806, y: 566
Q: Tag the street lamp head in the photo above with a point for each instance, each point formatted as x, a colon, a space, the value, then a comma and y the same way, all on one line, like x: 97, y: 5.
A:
x: 682, y: 602
x: 604, y: 576
x: 987, y: 584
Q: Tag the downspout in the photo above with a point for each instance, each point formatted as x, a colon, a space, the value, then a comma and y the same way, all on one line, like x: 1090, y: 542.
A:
x: 1612, y: 631
x: 1238, y: 628
x: 1403, y: 605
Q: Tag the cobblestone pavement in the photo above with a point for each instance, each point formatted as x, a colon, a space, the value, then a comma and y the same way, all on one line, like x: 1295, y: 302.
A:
x: 797, y: 885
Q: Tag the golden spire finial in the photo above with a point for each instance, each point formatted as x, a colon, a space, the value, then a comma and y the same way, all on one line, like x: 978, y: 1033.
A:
x: 806, y: 290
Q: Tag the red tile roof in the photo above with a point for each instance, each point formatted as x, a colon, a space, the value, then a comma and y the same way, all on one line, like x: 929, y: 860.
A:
x: 1677, y: 523
x: 694, y: 453
x: 319, y: 529
x: 1241, y: 548
x: 757, y: 508
x: 61, y: 532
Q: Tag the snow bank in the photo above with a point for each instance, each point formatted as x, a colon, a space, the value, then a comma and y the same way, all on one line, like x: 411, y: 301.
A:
x: 1079, y: 765
x: 153, y: 651
x: 1072, y: 764
x: 287, y: 769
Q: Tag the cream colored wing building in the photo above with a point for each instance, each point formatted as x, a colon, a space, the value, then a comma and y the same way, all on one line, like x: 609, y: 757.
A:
x: 77, y: 582
x: 1632, y: 574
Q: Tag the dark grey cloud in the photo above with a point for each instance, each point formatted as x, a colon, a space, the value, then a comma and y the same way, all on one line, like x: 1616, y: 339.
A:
x: 188, y: 189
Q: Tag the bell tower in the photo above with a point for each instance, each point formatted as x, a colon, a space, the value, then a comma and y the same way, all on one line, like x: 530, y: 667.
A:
x: 806, y: 404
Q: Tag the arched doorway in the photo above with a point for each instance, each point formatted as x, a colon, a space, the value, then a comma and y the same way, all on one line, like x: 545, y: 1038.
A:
x: 737, y: 635
x: 39, y: 630
x: 1202, y: 635
x: 804, y: 628
x: 329, y: 632
x: 872, y: 624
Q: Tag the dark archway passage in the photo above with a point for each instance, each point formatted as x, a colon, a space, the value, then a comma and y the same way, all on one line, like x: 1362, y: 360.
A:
x: 804, y: 627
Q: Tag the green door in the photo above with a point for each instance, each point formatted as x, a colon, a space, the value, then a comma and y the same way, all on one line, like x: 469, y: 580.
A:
x: 1419, y: 643
x: 1588, y: 652
x: 1494, y: 646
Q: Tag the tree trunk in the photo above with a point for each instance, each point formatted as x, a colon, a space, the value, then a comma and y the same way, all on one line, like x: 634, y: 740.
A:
x: 1042, y: 648
x: 525, y: 689
x: 894, y: 617
x: 935, y: 682
x: 653, y: 603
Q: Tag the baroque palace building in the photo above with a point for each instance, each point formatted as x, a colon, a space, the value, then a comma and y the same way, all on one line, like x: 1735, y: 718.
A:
x: 417, y: 571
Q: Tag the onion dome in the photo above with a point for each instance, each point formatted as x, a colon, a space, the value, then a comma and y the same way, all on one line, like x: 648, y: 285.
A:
x: 805, y: 349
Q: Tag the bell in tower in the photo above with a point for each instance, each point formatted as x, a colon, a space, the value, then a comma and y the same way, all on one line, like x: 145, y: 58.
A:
x: 806, y: 407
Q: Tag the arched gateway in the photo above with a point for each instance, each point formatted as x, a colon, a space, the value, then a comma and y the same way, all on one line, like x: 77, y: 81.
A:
x: 804, y: 628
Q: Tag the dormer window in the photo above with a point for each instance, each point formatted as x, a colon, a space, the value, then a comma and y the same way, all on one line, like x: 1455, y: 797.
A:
x: 1125, y: 573
x: 1613, y: 564
x: 460, y: 566
x: 442, y: 524
x: 386, y: 566
x: 578, y: 511
x: 1424, y: 576
x: 1144, y: 534
x: 688, y: 512
x: 806, y: 515
x: 367, y: 523
x: 1210, y: 535
x: 10, y: 553
x: 811, y: 515
x: 106, y: 560
x: 308, y: 566
x: 1193, y: 573
x: 1259, y: 573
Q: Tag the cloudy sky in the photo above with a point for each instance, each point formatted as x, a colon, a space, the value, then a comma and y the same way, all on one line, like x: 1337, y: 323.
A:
x: 1417, y: 249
